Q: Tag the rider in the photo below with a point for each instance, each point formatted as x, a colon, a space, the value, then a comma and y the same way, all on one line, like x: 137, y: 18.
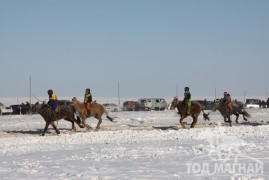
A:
x: 227, y: 100
x: 53, y: 100
x: 187, y: 99
x: 88, y: 101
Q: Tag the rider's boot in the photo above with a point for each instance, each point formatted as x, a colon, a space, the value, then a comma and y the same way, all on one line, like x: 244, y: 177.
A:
x: 88, y: 113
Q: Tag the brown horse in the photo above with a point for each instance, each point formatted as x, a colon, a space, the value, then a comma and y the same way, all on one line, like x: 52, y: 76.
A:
x: 195, y: 111
x: 97, y: 110
x: 66, y: 112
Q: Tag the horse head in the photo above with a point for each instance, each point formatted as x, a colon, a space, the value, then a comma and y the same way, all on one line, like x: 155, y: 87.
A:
x: 34, y: 108
x: 174, y: 103
x: 216, y: 105
x: 74, y: 99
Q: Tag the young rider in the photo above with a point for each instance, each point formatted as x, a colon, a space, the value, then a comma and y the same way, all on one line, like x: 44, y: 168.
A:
x: 52, y: 100
x: 88, y: 101
x: 227, y: 100
x: 187, y: 99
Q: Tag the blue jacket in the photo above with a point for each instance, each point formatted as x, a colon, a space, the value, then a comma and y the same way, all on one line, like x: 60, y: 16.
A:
x: 53, y: 101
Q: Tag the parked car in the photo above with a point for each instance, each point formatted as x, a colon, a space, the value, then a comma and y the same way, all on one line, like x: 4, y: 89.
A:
x: 112, y: 107
x: 20, y: 108
x: 134, y: 106
x: 5, y: 109
x: 207, y: 105
x: 252, y: 103
x: 158, y: 104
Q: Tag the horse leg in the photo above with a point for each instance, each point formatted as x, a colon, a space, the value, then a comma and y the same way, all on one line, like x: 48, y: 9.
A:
x: 55, y: 128
x: 225, y: 119
x: 74, y: 127
x: 194, y: 121
x: 73, y: 124
x: 85, y: 124
x: 237, y: 115
x: 99, y: 122
x: 229, y: 120
x: 45, y: 129
x: 181, y: 121
x: 244, y: 117
x: 78, y: 121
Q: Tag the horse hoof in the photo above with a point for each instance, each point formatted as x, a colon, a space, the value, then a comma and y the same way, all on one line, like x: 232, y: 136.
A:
x: 183, y: 124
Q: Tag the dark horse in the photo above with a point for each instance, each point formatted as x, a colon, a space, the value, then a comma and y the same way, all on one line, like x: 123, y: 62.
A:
x: 66, y: 112
x: 195, y: 111
x: 226, y: 113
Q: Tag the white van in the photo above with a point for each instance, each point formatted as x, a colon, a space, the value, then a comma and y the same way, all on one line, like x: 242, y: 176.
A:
x: 158, y: 104
x: 5, y: 109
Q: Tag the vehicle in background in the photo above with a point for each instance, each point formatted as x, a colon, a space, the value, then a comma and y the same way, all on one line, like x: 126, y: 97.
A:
x: 111, y: 107
x: 63, y: 102
x: 20, y: 108
x: 252, y: 103
x: 158, y: 104
x: 5, y: 109
x: 134, y: 106
x: 207, y: 105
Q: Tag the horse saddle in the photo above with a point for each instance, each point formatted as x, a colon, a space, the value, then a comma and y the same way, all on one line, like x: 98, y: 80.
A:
x: 57, y: 109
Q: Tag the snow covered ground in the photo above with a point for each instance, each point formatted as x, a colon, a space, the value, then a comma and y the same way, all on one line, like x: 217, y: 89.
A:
x: 140, y: 145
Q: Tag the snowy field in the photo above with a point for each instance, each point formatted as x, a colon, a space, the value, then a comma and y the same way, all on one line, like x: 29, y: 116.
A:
x: 140, y: 145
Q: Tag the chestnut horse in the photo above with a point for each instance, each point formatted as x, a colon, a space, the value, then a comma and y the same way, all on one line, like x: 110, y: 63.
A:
x: 195, y: 111
x: 97, y: 110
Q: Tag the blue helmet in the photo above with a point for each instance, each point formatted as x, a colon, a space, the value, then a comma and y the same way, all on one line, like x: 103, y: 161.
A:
x: 50, y: 92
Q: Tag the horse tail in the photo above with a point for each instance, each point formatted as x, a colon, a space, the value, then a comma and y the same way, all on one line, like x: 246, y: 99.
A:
x: 107, y: 116
x: 206, y: 115
x: 245, y: 113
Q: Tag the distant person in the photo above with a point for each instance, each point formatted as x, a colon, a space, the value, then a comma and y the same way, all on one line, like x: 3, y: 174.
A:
x: 263, y: 104
x: 27, y: 103
x: 267, y: 103
x: 227, y: 100
x: 88, y: 101
x: 187, y: 99
x: 53, y: 101
x: 205, y: 103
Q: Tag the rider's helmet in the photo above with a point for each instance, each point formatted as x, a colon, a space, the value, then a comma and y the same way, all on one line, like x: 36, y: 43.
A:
x: 88, y: 90
x: 225, y: 93
x: 50, y: 92
x: 186, y: 89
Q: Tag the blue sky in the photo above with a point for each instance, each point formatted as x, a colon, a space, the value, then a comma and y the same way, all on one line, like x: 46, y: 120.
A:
x: 148, y: 46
